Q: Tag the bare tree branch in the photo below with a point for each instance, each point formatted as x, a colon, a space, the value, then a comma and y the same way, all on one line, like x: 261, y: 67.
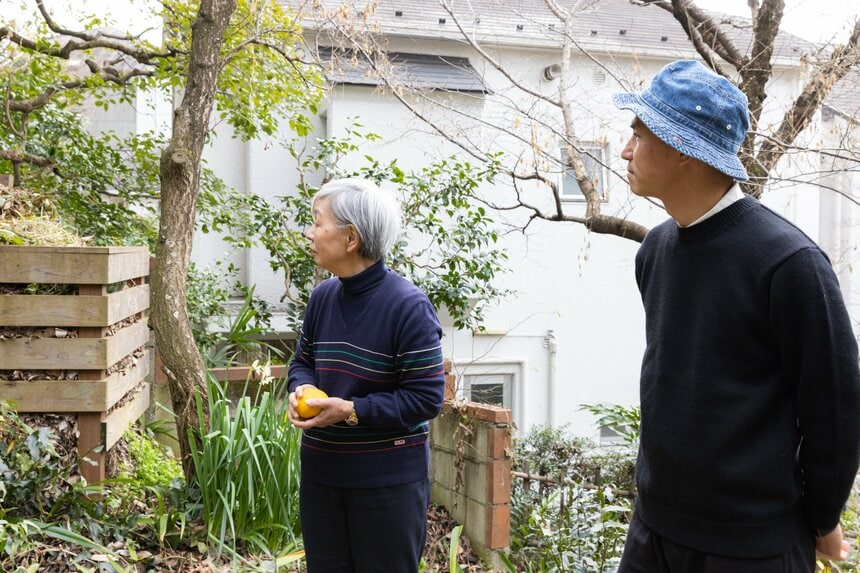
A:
x: 16, y: 156
x: 707, y: 36
x: 842, y: 60
x: 89, y: 40
x: 362, y: 43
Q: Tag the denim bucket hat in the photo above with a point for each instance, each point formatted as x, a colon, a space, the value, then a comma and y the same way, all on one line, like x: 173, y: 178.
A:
x: 699, y: 113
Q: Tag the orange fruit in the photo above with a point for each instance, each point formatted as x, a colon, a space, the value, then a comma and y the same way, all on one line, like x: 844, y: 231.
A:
x: 302, y: 408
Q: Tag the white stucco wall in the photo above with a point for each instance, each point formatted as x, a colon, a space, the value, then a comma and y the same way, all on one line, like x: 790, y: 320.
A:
x: 576, y: 285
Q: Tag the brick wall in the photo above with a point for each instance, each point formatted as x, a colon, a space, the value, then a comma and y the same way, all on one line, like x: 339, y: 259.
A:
x: 471, y: 471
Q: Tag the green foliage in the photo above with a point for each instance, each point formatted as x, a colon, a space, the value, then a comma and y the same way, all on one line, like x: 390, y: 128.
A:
x: 263, y: 81
x: 448, y: 247
x: 22, y: 547
x: 575, y: 517
x: 572, y: 529
x: 152, y: 465
x: 206, y: 297
x: 247, y: 470
x: 99, y: 183
x: 226, y: 335
x: 624, y: 420
x: 106, y: 185
x: 453, y: 549
x: 35, y: 476
x: 41, y: 499
x: 241, y: 342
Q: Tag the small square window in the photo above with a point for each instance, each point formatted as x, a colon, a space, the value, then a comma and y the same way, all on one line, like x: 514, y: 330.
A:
x: 609, y: 435
x: 594, y: 158
x: 494, y: 389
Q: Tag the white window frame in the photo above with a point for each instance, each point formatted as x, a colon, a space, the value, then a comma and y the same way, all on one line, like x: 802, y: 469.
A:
x: 512, y: 367
x: 472, y: 380
x: 594, y: 157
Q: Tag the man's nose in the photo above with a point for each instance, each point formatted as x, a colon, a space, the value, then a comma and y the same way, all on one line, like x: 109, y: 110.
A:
x: 627, y: 152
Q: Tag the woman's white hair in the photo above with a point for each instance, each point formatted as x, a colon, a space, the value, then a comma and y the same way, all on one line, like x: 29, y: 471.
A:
x: 373, y: 212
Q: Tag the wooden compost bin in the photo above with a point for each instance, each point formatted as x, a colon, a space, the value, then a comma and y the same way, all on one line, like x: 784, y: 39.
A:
x: 100, y: 333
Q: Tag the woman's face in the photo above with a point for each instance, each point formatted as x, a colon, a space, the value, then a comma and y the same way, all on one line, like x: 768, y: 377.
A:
x: 328, y: 240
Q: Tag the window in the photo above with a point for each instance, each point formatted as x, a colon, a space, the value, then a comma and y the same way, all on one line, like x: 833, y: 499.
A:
x: 610, y: 435
x: 496, y: 381
x: 594, y: 158
x: 495, y: 389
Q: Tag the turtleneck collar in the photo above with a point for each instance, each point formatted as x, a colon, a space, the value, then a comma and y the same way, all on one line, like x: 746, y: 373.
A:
x: 365, y: 280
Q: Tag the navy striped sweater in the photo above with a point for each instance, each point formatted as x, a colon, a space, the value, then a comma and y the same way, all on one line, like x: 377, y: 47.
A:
x: 374, y: 339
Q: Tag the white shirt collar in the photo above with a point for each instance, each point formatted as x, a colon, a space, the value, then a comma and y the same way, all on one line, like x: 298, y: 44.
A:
x: 733, y: 194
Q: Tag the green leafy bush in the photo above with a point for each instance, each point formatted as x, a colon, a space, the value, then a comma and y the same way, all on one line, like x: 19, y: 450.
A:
x: 34, y: 476
x: 154, y: 465
x: 572, y: 514
x: 247, y: 470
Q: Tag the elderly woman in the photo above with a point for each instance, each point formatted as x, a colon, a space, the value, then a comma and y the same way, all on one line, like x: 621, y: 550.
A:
x: 371, y: 341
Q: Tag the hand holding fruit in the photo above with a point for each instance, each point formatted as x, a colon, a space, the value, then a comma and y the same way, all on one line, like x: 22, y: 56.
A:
x: 311, y: 407
x: 304, y: 409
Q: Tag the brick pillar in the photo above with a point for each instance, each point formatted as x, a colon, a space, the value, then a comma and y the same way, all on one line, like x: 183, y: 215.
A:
x: 471, y: 471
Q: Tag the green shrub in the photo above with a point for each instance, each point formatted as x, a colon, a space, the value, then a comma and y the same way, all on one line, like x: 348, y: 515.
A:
x: 574, y: 518
x: 46, y: 517
x: 153, y: 465
x: 247, y: 471
x: 34, y: 476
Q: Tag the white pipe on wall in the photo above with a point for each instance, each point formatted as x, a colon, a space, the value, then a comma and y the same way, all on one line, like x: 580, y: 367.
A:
x: 551, y: 346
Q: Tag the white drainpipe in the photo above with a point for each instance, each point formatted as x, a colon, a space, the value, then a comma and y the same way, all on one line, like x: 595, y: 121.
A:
x: 551, y: 346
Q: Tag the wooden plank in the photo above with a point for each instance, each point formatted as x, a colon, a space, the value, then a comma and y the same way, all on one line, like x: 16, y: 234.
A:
x: 74, y: 395
x: 91, y: 442
x: 128, y: 302
x: 72, y: 265
x: 122, y: 418
x: 120, y: 383
x: 129, y: 266
x: 243, y: 373
x: 126, y: 341
x: 54, y: 310
x: 72, y: 353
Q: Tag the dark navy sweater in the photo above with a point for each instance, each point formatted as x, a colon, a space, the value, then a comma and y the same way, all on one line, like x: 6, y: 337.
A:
x: 750, y: 389
x: 374, y: 339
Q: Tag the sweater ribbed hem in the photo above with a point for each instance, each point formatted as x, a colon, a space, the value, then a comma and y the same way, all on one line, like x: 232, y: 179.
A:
x: 741, y: 540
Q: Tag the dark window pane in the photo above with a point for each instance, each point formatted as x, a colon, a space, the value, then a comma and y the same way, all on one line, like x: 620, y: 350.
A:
x: 488, y: 394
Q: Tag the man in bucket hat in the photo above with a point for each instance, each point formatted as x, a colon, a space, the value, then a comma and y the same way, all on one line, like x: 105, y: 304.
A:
x: 750, y: 389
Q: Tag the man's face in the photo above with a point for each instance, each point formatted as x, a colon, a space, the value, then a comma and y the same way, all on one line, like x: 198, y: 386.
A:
x: 651, y: 163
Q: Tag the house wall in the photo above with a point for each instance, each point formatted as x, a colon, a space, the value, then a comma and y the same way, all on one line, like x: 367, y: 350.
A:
x: 840, y: 225
x: 575, y: 290
x: 574, y: 331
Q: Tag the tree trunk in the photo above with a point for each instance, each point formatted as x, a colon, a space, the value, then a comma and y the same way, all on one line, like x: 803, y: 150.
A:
x: 180, y: 178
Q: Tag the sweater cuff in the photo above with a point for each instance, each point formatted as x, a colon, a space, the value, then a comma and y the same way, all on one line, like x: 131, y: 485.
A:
x: 361, y: 411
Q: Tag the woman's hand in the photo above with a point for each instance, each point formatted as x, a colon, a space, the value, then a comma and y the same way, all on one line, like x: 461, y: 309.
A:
x: 332, y: 410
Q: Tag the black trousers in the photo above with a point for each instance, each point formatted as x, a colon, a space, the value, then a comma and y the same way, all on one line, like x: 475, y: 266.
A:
x: 649, y: 552
x: 364, y: 530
